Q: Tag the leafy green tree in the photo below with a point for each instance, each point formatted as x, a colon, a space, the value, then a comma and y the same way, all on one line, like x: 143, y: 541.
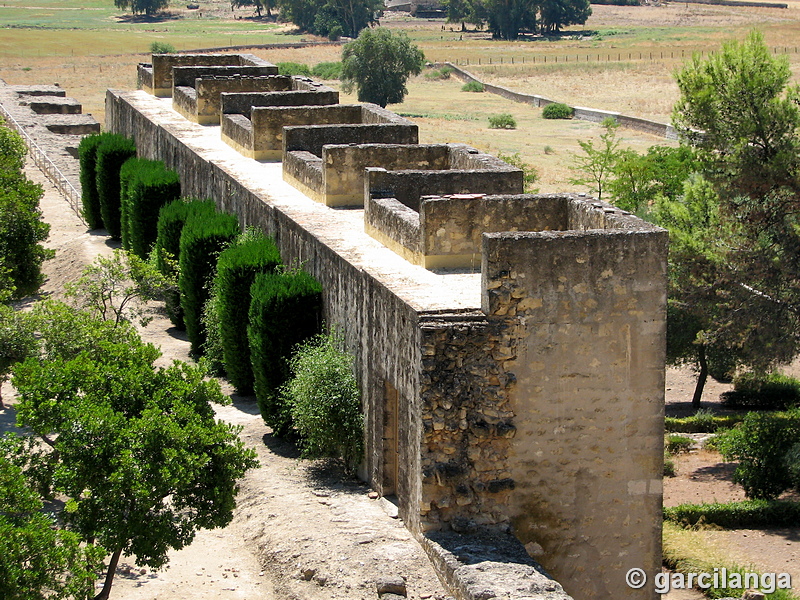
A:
x: 507, y: 18
x: 331, y: 18
x: 739, y: 111
x: 118, y: 288
x: 17, y: 340
x: 258, y: 5
x: 466, y: 11
x: 378, y: 64
x: 596, y: 165
x: 555, y: 14
x: 38, y: 561
x: 135, y: 448
x: 142, y: 7
x: 21, y: 225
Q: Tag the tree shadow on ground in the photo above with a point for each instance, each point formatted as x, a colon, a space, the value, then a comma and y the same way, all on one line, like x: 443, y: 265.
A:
x: 161, y: 17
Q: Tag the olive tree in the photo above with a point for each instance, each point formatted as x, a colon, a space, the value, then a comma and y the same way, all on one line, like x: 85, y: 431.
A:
x: 378, y: 65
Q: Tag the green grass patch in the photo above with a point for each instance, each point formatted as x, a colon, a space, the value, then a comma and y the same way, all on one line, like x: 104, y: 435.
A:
x: 745, y: 514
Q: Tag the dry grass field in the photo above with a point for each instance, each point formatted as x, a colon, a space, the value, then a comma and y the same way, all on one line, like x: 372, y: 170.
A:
x: 88, y: 46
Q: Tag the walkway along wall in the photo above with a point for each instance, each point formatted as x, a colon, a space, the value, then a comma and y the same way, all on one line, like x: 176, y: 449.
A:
x: 526, y: 397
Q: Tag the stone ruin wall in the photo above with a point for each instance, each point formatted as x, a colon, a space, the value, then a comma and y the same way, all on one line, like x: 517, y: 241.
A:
x: 573, y: 467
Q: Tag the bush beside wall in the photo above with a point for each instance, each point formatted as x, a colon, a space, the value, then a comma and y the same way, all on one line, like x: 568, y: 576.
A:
x: 237, y: 267
x: 171, y: 219
x: 285, y: 309
x: 112, y: 153
x: 90, y: 201
x: 128, y: 170
x: 203, y: 237
x: 148, y: 190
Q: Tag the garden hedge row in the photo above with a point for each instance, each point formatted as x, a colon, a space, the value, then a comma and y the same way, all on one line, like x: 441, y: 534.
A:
x: 203, y: 237
x: 285, y: 309
x: 90, y: 201
x: 150, y: 188
x: 237, y: 267
x: 111, y: 154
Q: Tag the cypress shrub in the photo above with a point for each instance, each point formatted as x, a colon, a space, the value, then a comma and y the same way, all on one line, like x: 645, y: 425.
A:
x: 236, y: 269
x: 203, y: 237
x: 127, y: 172
x: 90, y: 201
x: 150, y: 188
x: 285, y: 309
x: 171, y: 219
x: 112, y: 153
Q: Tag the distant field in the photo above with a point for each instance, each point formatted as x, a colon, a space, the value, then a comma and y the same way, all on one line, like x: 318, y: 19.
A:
x: 623, y: 59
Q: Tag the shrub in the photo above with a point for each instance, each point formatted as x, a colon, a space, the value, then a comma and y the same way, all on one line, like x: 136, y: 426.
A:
x: 473, y: 86
x: 21, y: 226
x: 504, y: 121
x: 90, y: 201
x: 557, y: 110
x: 676, y: 444
x: 293, y: 68
x: 285, y: 309
x: 171, y: 219
x: 763, y: 391
x: 203, y: 237
x: 162, y: 48
x: 529, y: 173
x: 702, y: 422
x: 236, y: 269
x: 548, y: 149
x: 150, y: 188
x: 327, y: 70
x: 324, y: 401
x: 12, y: 148
x: 669, y: 465
x: 126, y: 173
x: 746, y: 514
x: 212, y: 345
x: 112, y: 153
x: 17, y: 340
x: 438, y: 74
x: 760, y: 444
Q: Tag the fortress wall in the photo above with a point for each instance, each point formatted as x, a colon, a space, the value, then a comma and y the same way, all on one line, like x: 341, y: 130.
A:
x: 585, y: 312
x: 242, y: 103
x: 380, y: 329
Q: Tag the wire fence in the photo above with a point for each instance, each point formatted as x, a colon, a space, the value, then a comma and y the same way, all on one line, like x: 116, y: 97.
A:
x: 595, y: 57
x: 53, y: 173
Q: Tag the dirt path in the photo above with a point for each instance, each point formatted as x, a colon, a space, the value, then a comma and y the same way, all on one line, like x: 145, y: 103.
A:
x: 300, y: 531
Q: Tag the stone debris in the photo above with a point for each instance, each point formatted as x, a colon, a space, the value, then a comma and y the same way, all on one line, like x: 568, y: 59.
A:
x: 391, y: 585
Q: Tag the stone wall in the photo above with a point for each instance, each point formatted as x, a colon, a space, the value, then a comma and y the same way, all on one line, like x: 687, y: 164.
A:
x: 534, y: 406
x: 409, y: 186
x: 585, y: 320
x: 242, y: 103
x: 209, y: 103
x: 156, y: 78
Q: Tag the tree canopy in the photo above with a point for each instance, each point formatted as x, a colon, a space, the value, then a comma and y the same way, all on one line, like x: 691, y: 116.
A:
x: 740, y: 113
x: 378, y: 64
x: 331, y: 18
x: 142, y: 7
x: 508, y: 18
x: 135, y: 447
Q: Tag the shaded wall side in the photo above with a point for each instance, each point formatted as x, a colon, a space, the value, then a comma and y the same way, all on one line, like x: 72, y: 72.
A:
x: 379, y: 329
x: 587, y: 311
x: 243, y: 102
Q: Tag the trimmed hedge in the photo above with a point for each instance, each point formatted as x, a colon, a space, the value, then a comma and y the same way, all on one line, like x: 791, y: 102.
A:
x: 126, y: 173
x: 203, y: 237
x: 148, y: 190
x: 767, y: 391
x: 285, y: 309
x: 171, y: 219
x: 90, y: 201
x: 112, y: 153
x: 746, y: 514
x: 237, y: 267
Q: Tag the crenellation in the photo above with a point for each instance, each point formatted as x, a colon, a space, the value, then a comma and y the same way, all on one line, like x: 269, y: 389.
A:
x: 509, y: 347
